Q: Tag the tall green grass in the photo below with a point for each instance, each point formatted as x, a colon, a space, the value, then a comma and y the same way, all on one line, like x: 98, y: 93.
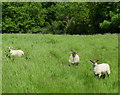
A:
x: 44, y: 68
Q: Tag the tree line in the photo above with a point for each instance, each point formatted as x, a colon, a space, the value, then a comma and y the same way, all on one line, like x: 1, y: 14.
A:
x: 61, y: 17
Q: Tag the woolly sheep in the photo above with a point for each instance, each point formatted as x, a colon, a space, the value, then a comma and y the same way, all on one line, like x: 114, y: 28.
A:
x: 100, y: 69
x: 74, y: 58
x: 16, y: 52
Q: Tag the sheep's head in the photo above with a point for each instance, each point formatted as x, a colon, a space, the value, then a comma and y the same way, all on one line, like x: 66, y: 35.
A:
x: 94, y: 62
x: 9, y: 48
x: 73, y: 54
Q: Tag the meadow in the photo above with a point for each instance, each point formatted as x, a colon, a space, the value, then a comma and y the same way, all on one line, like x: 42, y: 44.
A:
x: 44, y: 67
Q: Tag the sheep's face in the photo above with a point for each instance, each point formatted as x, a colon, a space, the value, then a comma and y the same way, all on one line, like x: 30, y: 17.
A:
x: 74, y: 54
x: 9, y: 48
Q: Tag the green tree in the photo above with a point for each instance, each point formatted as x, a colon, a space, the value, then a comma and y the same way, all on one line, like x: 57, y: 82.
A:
x: 61, y: 17
x: 19, y: 17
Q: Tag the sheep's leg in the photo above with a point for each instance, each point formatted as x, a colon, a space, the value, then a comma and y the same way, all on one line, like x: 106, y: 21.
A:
x: 99, y: 75
x: 76, y: 64
x: 96, y: 75
x: 108, y: 72
x: 103, y: 76
x: 12, y: 58
x: 69, y: 64
x: 22, y: 54
x: 73, y: 63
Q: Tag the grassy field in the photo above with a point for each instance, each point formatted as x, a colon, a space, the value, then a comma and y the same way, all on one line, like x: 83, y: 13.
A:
x: 44, y: 68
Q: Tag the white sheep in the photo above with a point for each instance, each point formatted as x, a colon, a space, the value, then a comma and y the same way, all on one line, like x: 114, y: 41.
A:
x: 16, y: 52
x: 100, y: 69
x: 74, y: 58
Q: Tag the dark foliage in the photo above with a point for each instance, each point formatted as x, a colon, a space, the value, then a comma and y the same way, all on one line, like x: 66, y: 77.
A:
x: 60, y: 17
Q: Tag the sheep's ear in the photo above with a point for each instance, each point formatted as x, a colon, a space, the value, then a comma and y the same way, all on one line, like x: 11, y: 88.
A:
x: 97, y: 60
x: 91, y: 61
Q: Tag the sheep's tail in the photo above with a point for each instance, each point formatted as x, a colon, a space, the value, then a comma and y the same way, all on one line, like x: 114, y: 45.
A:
x: 108, y: 72
x: 22, y: 53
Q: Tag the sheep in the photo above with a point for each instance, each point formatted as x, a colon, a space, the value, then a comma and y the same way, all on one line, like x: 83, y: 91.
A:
x: 15, y: 52
x: 100, y: 69
x: 74, y: 58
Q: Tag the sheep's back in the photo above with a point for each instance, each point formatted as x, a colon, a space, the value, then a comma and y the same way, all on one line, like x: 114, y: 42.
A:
x: 101, y: 68
x: 17, y: 52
